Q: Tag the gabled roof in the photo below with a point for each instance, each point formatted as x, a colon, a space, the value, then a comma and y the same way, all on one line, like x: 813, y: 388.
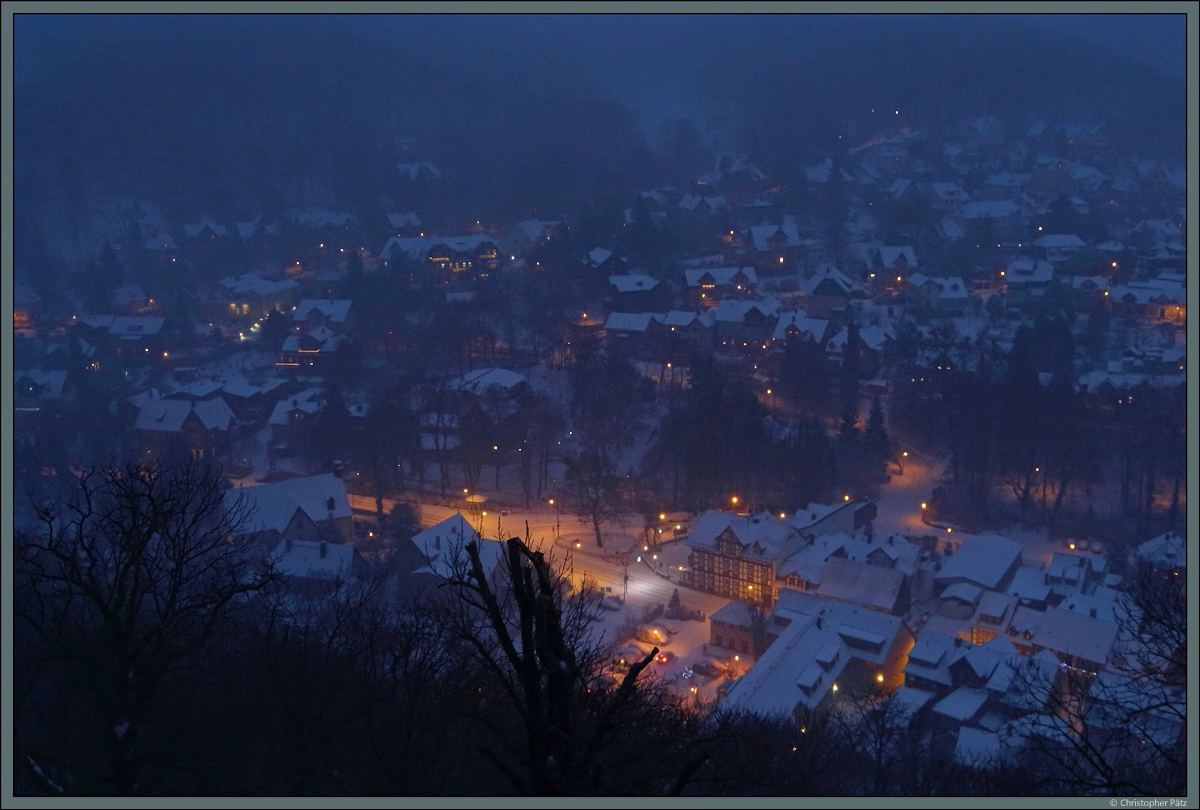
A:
x: 254, y: 284
x: 479, y: 380
x: 888, y: 256
x: 799, y: 322
x: 962, y: 704
x: 861, y: 584
x: 1059, y: 240
x: 194, y: 229
x: 791, y: 672
x: 721, y: 276
x: 1166, y: 550
x: 537, y: 228
x: 1029, y: 271
x: 983, y: 560
x: 443, y: 546
x: 169, y: 415
x: 759, y: 536
x: 1069, y: 633
x: 308, y: 401
x: 335, y: 310
x: 629, y: 321
x: 633, y: 282
x: 321, y: 497
x: 46, y: 384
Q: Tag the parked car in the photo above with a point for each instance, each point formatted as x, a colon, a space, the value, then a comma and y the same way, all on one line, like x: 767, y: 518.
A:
x: 664, y: 657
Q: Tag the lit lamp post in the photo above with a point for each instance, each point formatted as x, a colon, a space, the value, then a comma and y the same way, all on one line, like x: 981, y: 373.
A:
x: 557, y: 517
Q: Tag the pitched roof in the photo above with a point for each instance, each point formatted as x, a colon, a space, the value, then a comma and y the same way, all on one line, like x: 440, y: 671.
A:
x: 633, y: 282
x: 335, y: 310
x: 443, y: 546
x: 983, y: 560
x: 629, y: 321
x: 1077, y: 634
x: 721, y: 276
x: 310, y: 559
x: 273, y: 505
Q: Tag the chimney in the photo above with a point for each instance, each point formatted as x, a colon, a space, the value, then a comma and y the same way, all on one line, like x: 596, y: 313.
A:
x: 437, y: 542
x: 289, y: 544
x: 1092, y: 613
x: 324, y: 548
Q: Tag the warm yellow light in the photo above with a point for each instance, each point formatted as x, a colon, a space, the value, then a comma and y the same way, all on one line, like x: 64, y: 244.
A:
x: 879, y: 678
x: 835, y: 687
x: 924, y: 505
x: 662, y: 516
x: 845, y: 497
x: 734, y: 499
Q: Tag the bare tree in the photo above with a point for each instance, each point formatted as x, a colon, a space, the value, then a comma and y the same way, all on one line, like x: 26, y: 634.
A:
x: 127, y: 581
x: 538, y: 664
x: 1121, y: 731
x: 595, y: 490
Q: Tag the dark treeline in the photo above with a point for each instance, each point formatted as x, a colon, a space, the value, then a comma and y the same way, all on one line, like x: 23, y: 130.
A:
x: 156, y: 656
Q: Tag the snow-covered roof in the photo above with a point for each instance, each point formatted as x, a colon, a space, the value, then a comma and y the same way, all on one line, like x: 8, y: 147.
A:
x: 272, y: 506
x: 168, y: 415
x: 1074, y: 634
x: 1029, y: 271
x: 311, y: 559
x: 401, y: 219
x: 759, y: 535
x: 598, y: 256
x: 254, y: 284
x: 983, y: 560
x: 799, y: 322
x: 962, y: 704
x: 720, y: 276
x: 479, y: 380
x: 889, y: 256
x: 335, y: 310
x: 861, y: 584
x: 798, y: 667
x: 1059, y: 241
x: 194, y: 229
x: 1029, y: 584
x: 633, y: 282
x: 45, y: 384
x: 308, y: 401
x: 629, y: 321
x: 537, y: 228
x: 443, y: 546
x: 1166, y: 550
x: 135, y: 325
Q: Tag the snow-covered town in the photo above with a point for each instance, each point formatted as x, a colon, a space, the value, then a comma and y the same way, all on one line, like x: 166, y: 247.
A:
x: 759, y: 457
